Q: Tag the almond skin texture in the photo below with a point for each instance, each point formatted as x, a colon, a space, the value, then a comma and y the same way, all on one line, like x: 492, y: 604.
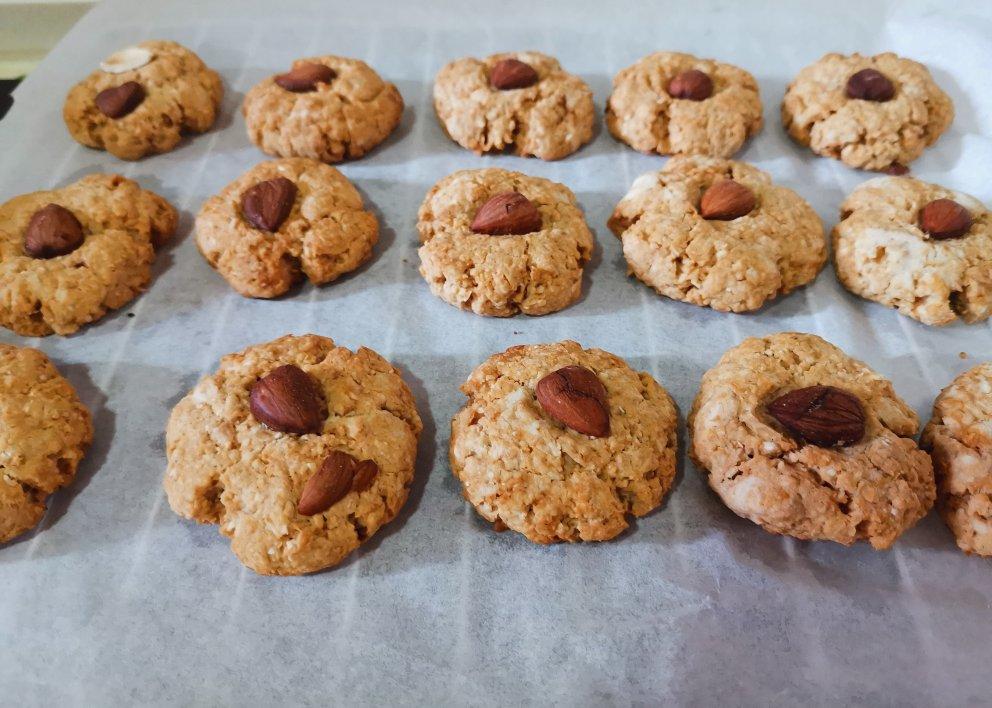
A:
x: 726, y: 200
x: 510, y: 74
x: 945, y: 218
x: 267, y: 204
x: 288, y: 400
x: 507, y: 214
x: 365, y: 473
x: 820, y: 415
x: 52, y: 231
x: 870, y: 85
x: 119, y: 101
x: 575, y: 397
x: 693, y: 85
x: 329, y: 484
x: 305, y: 77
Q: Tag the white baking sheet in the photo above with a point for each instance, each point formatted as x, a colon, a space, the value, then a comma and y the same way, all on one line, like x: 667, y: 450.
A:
x: 114, y: 600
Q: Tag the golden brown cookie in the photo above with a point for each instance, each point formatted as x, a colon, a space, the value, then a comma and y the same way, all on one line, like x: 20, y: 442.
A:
x: 521, y: 101
x: 44, y: 433
x: 298, y: 449
x: 326, y: 108
x: 50, y: 284
x: 142, y: 99
x: 283, y: 221
x: 559, y: 454
x: 873, y: 113
x: 693, y: 237
x: 805, y: 441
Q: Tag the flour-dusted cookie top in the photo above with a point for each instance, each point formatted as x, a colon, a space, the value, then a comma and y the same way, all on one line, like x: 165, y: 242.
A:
x: 718, y: 233
x: 523, y: 463
x: 326, y: 108
x: 873, y: 113
x: 282, y: 221
x: 523, y: 101
x: 300, y: 500
x: 921, y: 248
x: 804, y: 440
x: 142, y: 99
x: 673, y: 103
x: 959, y: 438
x: 44, y: 433
x: 68, y: 255
x: 497, y: 254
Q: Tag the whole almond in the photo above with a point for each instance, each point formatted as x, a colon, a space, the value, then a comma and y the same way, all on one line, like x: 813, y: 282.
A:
x: 945, y: 218
x: 508, y: 74
x: 822, y: 415
x: 694, y: 85
x: 365, y: 473
x: 121, y: 100
x: 870, y: 85
x: 267, y: 204
x: 726, y: 200
x: 288, y: 400
x: 329, y: 484
x: 576, y: 397
x: 52, y: 231
x: 508, y: 213
x: 305, y: 77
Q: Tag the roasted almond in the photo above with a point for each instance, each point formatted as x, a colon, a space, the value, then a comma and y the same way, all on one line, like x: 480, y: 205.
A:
x: 121, y: 100
x: 693, y: 85
x: 945, y: 218
x: 288, y: 400
x: 267, y: 204
x: 822, y: 415
x: 726, y: 200
x: 52, y: 231
x: 870, y: 85
x: 508, y: 74
x: 365, y: 473
x: 329, y: 484
x: 509, y: 213
x: 574, y: 396
x: 305, y: 77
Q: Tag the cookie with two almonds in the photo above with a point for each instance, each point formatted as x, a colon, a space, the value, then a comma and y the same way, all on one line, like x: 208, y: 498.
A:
x: 299, y: 450
x: 562, y: 443
x: 806, y: 441
x: 142, y: 99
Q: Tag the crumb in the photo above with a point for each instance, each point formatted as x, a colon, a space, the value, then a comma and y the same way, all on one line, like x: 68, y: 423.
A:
x: 962, y: 355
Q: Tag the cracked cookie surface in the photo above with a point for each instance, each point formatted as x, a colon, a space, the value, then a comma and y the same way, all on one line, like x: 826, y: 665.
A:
x: 959, y: 438
x: 731, y: 266
x: 327, y: 233
x: 44, y: 433
x: 500, y: 276
x: 870, y: 135
x: 642, y: 113
x: 122, y: 225
x: 523, y: 469
x: 871, y: 490
x: 550, y: 119
x: 227, y: 468
x: 343, y: 119
x: 881, y: 253
x: 181, y: 95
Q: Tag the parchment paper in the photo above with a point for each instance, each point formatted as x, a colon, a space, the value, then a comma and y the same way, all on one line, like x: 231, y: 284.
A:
x: 115, y: 600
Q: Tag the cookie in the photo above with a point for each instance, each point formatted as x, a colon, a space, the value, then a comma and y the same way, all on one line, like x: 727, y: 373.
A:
x: 921, y: 248
x: 562, y: 443
x: 326, y: 108
x: 519, y: 101
x: 718, y: 233
x: 959, y: 438
x: 298, y: 449
x: 44, y: 433
x: 678, y: 104
x: 68, y: 255
x: 498, y: 243
x: 142, y: 100
x: 805, y: 441
x: 872, y: 113
x: 283, y: 221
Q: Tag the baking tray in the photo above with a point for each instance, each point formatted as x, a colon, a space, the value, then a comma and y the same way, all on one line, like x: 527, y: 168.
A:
x: 115, y: 600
